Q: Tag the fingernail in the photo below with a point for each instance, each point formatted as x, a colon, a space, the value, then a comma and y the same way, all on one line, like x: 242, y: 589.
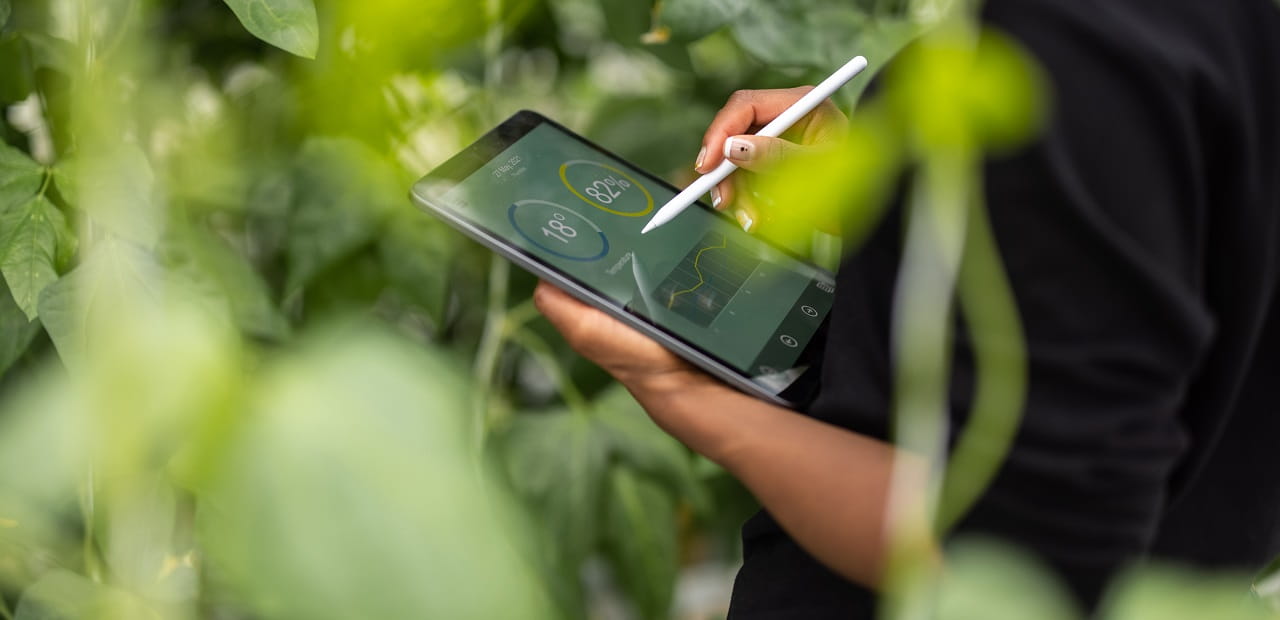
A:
x: 738, y: 149
x: 715, y: 197
x: 744, y: 220
x: 702, y: 154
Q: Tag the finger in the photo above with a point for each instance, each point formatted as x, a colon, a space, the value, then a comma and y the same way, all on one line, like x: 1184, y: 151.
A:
x: 745, y: 208
x: 722, y: 194
x: 559, y: 307
x: 757, y: 153
x: 745, y: 109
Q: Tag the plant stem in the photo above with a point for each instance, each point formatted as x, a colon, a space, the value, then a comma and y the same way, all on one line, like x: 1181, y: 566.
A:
x: 536, y: 346
x: 490, y: 344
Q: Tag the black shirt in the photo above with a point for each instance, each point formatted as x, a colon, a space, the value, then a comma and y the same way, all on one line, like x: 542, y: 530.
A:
x: 1141, y: 234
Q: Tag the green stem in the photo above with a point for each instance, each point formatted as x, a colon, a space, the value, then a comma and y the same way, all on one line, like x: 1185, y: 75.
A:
x: 490, y: 343
x: 1000, y: 367
x: 540, y: 350
x: 4, y: 610
x: 88, y: 512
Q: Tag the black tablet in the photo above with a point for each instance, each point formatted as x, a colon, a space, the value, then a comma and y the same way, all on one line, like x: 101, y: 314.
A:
x: 740, y: 308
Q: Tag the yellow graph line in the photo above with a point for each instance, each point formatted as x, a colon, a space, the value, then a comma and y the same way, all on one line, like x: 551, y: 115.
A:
x: 701, y: 280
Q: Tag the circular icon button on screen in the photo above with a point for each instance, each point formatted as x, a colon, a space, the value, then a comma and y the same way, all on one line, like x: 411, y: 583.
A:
x: 808, y: 310
x: 558, y: 230
x: 789, y: 341
x: 606, y: 188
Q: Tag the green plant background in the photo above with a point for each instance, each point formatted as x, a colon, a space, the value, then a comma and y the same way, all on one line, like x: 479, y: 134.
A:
x: 242, y: 377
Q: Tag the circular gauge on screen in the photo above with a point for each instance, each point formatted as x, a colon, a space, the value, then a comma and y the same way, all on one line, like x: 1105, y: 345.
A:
x: 558, y: 230
x: 606, y: 188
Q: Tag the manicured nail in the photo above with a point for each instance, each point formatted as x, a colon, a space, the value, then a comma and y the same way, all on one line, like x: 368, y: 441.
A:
x: 702, y: 154
x: 715, y: 197
x: 738, y: 149
x: 744, y: 220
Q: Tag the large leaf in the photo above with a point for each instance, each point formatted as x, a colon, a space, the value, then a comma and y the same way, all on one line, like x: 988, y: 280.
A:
x: 287, y: 24
x: 29, y: 235
x: 642, y: 541
x: 31, y: 228
x: 989, y: 581
x: 342, y: 192
x: 16, y: 80
x: 20, y: 177
x: 417, y: 252
x: 689, y: 20
x: 639, y: 444
x: 63, y: 595
x: 557, y: 461
x: 116, y: 275
x: 350, y: 491
x: 16, y: 330
x: 211, y: 266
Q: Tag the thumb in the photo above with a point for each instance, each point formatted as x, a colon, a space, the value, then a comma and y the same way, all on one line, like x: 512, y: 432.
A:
x: 757, y: 153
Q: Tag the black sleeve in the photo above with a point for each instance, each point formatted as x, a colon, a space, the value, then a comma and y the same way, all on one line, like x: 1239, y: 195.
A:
x: 1097, y: 226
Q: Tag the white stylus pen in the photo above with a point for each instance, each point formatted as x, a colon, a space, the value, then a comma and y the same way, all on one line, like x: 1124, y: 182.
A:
x: 783, y: 122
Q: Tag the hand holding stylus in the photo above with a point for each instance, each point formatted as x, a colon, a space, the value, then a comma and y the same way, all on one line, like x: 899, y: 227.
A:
x: 779, y: 122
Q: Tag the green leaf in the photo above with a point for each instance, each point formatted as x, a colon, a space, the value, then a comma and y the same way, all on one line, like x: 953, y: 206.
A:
x: 642, y: 541
x: 207, y: 262
x: 20, y: 177
x: 16, y: 330
x: 287, y: 24
x: 690, y: 20
x: 31, y: 230
x: 115, y: 272
x: 985, y: 580
x: 417, y: 252
x: 557, y: 462
x: 29, y: 236
x: 1157, y: 592
x: 5, y: 10
x: 639, y: 444
x: 343, y: 191
x: 350, y: 490
x: 16, y: 80
x: 63, y: 595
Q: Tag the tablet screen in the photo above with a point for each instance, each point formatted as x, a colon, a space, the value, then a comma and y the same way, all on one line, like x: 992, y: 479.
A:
x: 579, y: 210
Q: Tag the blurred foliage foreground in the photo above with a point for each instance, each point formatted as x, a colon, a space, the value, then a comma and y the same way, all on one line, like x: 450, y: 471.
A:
x: 241, y: 377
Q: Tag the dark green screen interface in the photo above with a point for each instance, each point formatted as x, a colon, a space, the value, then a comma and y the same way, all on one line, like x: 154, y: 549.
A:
x: 699, y: 276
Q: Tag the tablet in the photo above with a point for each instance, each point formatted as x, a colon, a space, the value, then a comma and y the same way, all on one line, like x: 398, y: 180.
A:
x: 570, y: 212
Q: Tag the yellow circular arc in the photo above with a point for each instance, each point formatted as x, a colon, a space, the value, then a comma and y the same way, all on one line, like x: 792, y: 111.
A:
x: 564, y: 168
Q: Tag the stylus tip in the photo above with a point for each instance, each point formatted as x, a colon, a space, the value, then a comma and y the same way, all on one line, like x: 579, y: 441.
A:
x: 648, y: 227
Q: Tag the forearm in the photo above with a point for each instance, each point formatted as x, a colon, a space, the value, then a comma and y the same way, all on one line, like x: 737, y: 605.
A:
x: 826, y: 486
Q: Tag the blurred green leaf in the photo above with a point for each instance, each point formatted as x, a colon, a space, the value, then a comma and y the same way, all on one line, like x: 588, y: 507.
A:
x: 51, y: 52
x: 16, y: 330
x: 290, y: 25
x: 1167, y: 593
x: 984, y: 580
x: 16, y: 80
x: 689, y: 20
x: 69, y: 306
x: 342, y: 191
x: 349, y: 491
x: 417, y: 253
x: 642, y: 540
x: 5, y: 10
x: 557, y: 462
x: 213, y: 266
x: 808, y: 33
x: 639, y: 444
x: 63, y: 595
